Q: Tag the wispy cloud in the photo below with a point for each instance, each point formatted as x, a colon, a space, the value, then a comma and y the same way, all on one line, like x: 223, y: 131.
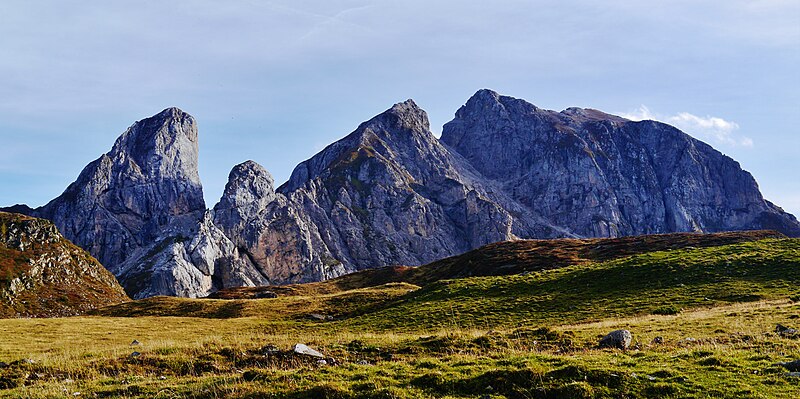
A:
x: 712, y: 128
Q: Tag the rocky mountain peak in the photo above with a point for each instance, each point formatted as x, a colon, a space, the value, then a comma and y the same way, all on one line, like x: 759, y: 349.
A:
x: 250, y: 188
x: 486, y: 100
x: 164, y: 145
x: 250, y: 171
x: 401, y: 122
x: 403, y: 126
x: 145, y: 189
x: 602, y: 175
x: 406, y: 115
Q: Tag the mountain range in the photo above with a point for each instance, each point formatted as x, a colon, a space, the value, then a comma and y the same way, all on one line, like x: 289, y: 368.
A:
x: 391, y: 193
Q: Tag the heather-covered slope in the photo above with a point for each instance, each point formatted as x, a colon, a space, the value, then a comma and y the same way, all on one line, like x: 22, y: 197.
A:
x: 42, y: 274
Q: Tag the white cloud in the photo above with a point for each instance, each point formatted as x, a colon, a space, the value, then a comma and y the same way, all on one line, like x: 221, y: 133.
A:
x: 641, y: 114
x: 712, y: 128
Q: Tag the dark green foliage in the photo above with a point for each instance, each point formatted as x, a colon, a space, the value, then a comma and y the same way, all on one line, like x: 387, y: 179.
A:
x: 667, y: 310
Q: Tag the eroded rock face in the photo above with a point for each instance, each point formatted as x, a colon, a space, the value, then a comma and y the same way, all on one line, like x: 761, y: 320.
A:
x: 599, y: 175
x: 282, y: 244
x: 138, y: 198
x: 391, y: 193
x: 147, y: 186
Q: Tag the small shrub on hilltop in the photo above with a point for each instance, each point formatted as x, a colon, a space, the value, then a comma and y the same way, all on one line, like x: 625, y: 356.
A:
x: 667, y: 310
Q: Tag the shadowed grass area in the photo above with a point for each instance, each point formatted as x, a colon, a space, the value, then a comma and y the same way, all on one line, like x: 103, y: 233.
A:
x: 338, y: 305
x: 511, y: 257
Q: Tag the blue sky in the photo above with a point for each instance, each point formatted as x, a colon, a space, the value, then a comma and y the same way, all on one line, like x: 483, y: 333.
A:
x: 275, y: 81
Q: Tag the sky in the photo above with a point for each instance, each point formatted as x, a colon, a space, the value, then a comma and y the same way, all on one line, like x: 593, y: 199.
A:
x: 276, y: 81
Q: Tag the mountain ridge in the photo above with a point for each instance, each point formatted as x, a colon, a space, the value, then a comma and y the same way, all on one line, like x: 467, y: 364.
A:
x: 391, y: 193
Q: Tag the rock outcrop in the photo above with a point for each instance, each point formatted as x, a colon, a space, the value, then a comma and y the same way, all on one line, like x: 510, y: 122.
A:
x: 42, y: 274
x: 281, y: 244
x: 135, y: 206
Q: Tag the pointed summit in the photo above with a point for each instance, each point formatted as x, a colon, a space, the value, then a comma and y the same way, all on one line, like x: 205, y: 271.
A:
x: 485, y: 100
x: 145, y: 188
x: 394, y: 132
x: 165, y: 144
x: 405, y: 115
x: 249, y: 190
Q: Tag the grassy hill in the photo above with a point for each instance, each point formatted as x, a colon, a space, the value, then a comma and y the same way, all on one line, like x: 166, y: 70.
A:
x: 510, y: 257
x: 703, y: 319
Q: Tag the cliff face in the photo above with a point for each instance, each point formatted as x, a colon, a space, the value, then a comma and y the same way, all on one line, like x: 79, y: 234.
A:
x: 145, y: 186
x: 135, y: 206
x: 599, y: 175
x: 44, y: 275
x: 276, y: 243
x: 390, y: 193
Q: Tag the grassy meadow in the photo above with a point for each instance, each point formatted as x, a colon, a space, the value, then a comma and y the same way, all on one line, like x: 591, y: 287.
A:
x: 703, y: 322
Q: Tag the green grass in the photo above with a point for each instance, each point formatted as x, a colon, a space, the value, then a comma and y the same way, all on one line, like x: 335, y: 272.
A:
x: 714, y: 311
x: 641, y: 284
x: 732, y: 355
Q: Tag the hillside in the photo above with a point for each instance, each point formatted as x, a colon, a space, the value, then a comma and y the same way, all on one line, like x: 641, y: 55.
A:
x: 703, y: 321
x: 507, y: 258
x: 42, y: 274
x: 665, y: 282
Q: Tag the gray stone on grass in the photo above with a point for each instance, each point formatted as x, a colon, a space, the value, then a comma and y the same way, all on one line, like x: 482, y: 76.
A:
x: 620, y: 339
x: 302, y: 349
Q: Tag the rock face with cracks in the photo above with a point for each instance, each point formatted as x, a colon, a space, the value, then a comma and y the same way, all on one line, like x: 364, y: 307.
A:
x: 599, y: 175
x: 391, y: 193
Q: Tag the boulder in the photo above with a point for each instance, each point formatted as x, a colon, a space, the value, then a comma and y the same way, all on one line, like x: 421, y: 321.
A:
x: 620, y: 339
x: 302, y: 349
